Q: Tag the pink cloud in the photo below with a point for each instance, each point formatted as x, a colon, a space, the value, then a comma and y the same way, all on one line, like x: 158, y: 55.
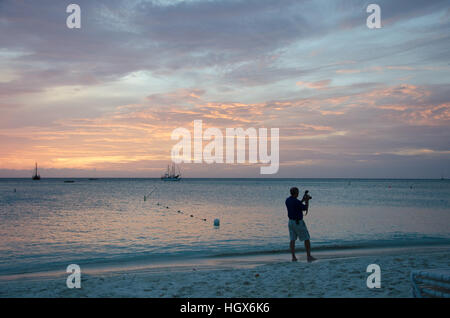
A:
x: 315, y: 85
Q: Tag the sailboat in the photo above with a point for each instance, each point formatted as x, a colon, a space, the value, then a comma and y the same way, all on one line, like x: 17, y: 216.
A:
x: 36, y: 176
x: 170, y: 174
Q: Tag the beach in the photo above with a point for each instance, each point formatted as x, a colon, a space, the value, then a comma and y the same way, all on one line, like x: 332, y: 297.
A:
x: 179, y: 148
x: 168, y: 246
x: 340, y: 275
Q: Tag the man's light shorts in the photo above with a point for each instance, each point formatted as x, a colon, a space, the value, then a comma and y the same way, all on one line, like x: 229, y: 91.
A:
x: 299, y: 230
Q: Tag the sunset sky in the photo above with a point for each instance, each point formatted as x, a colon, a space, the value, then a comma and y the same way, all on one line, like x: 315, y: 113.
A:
x: 103, y: 100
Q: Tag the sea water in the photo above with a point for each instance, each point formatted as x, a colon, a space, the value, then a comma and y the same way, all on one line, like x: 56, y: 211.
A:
x: 48, y: 224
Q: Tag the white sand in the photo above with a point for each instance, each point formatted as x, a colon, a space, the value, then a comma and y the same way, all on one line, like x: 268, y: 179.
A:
x: 338, y: 277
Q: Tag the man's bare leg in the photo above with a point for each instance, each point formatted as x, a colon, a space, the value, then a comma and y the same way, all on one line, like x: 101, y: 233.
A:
x: 292, y: 245
x: 308, y: 251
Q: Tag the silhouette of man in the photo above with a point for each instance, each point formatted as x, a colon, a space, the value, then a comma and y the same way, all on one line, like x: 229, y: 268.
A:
x: 297, y: 227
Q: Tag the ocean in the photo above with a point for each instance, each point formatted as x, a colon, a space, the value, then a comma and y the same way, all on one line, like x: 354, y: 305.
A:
x: 48, y: 224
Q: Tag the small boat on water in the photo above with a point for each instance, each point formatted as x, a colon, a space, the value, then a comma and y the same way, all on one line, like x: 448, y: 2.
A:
x: 69, y: 181
x: 170, y: 174
x: 36, y: 176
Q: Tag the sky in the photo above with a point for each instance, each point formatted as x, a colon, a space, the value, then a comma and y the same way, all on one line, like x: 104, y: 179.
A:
x: 103, y: 100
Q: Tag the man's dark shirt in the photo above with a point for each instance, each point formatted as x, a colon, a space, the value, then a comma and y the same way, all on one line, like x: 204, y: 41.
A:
x: 295, y: 208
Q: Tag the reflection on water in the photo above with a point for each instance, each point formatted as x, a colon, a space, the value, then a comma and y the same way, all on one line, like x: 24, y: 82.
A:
x: 49, y: 223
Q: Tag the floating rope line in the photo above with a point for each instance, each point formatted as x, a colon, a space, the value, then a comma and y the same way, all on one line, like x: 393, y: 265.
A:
x: 145, y: 196
x: 181, y: 212
x: 216, y: 221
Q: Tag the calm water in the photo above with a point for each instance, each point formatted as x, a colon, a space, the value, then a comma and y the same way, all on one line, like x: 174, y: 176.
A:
x: 48, y: 224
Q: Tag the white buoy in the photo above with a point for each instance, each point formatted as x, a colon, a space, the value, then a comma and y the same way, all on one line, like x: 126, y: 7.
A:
x: 216, y: 222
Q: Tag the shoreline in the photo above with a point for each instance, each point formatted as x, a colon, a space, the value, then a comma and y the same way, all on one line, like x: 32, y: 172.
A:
x: 223, y: 261
x: 231, y: 261
x: 341, y: 274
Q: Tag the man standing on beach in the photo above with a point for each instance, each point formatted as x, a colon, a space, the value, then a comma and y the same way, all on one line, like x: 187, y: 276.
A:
x: 297, y: 227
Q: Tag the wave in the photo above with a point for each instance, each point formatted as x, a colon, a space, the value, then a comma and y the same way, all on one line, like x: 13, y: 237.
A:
x: 242, y: 250
x: 346, y: 245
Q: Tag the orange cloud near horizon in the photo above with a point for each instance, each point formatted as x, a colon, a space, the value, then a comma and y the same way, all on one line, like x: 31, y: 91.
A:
x: 137, y: 136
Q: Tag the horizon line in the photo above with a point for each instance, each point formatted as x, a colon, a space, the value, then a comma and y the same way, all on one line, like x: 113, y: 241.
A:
x: 250, y: 178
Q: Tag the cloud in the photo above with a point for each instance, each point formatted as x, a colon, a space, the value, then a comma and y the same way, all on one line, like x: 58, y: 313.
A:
x: 315, y: 85
x: 107, y: 96
x: 418, y: 152
x: 138, y: 133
